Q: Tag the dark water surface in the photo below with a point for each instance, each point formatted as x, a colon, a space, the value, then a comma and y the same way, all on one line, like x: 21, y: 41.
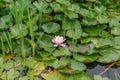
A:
x: 110, y: 73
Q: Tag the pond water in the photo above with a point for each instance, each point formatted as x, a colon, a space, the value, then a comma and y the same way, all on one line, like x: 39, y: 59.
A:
x: 110, y: 73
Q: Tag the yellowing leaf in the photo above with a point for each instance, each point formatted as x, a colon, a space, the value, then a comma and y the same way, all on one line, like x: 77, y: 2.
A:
x: 56, y: 71
x: 52, y: 76
x: 9, y: 56
x: 39, y: 67
x: 36, y: 73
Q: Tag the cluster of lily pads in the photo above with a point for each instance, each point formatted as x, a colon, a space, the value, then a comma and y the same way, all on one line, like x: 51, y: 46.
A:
x: 55, y: 39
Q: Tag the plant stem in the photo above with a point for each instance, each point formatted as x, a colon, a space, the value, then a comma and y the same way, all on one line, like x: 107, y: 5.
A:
x: 30, y: 26
x: 107, y: 68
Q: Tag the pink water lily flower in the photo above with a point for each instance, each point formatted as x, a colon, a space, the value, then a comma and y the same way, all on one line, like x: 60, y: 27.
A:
x: 58, y: 41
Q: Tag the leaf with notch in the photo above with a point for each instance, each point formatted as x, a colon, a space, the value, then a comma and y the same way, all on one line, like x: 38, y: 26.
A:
x: 76, y: 31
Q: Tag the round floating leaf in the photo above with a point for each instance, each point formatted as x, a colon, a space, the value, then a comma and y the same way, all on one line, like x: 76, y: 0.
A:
x: 5, y: 22
x: 66, y: 24
x: 61, y: 52
x: 11, y: 74
x: 58, y: 64
x: 46, y: 43
x: 83, y: 76
x: 19, y: 30
x: 117, y: 42
x: 115, y: 30
x: 101, y: 42
x: 100, y: 9
x: 52, y: 76
x: 95, y: 30
x: 109, y: 55
x: 98, y: 77
x: 40, y: 5
x: 73, y: 67
x: 71, y: 14
x: 51, y: 27
x: 84, y: 12
x: 76, y: 31
x: 24, y: 78
x: 102, y: 19
x: 86, y: 58
x: 57, y: 7
x: 114, y: 22
x: 89, y: 21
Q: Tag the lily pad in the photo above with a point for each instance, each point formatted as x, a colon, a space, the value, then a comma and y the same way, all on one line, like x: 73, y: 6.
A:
x: 85, y: 58
x: 73, y: 67
x: 76, y: 31
x: 51, y: 27
x: 108, y: 56
x: 61, y: 52
x: 18, y: 31
x: 101, y: 42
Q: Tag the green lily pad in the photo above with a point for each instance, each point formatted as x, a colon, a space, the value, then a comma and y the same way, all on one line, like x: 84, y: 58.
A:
x: 73, y: 67
x: 57, y: 7
x: 51, y: 27
x: 46, y: 43
x: 98, y: 77
x: 83, y: 76
x: 89, y: 22
x: 100, y: 9
x: 108, y: 56
x: 85, y: 58
x: 18, y: 31
x: 52, y: 76
x: 115, y: 30
x: 61, y: 52
x: 102, y: 19
x: 95, y: 30
x: 42, y: 5
x: 11, y: 74
x: 58, y: 64
x: 71, y: 14
x: 101, y: 42
x: 76, y: 32
x: 117, y: 42
x: 114, y: 22
x: 79, y: 76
